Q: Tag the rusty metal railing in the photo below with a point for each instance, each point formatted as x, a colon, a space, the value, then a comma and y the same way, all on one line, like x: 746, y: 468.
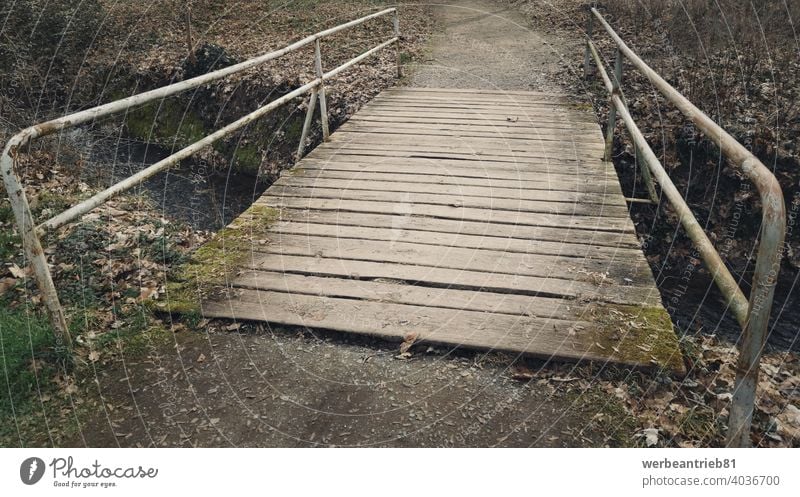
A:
x: 30, y: 232
x: 752, y: 314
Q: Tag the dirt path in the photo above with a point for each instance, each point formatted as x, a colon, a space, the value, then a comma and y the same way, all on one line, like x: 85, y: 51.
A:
x: 291, y: 387
x: 490, y: 45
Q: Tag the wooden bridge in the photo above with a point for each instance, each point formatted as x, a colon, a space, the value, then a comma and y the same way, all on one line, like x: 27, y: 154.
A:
x: 464, y: 217
x: 470, y: 218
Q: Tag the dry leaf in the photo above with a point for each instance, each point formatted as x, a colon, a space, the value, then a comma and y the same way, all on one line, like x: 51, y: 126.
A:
x: 650, y: 436
x: 408, y: 342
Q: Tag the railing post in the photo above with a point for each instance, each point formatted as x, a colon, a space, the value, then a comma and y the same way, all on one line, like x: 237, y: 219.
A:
x: 612, y: 110
x: 587, y: 68
x: 323, y: 105
x: 31, y: 244
x: 754, y: 335
x: 396, y: 25
x: 312, y: 105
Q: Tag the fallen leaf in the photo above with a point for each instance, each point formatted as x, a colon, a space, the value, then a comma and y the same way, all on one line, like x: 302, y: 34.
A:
x: 521, y: 373
x: 17, y: 272
x: 201, y: 358
x: 6, y: 284
x: 410, y: 338
x: 650, y: 436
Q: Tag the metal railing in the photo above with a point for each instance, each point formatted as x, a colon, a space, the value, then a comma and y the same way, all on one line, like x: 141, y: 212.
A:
x: 752, y: 314
x: 30, y: 232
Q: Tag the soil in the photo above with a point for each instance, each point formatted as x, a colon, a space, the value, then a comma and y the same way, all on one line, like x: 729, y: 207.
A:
x: 232, y: 386
x: 490, y: 45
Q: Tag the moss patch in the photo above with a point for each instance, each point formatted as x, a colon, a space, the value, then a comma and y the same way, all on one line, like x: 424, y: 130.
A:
x: 166, y: 121
x: 636, y: 335
x: 209, y: 268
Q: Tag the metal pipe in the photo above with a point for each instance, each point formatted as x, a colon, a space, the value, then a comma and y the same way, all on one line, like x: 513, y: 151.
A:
x: 312, y: 105
x: 130, y: 182
x: 88, y: 115
x: 323, y: 104
x: 730, y: 289
x: 773, y: 230
x: 646, y: 176
x: 30, y: 241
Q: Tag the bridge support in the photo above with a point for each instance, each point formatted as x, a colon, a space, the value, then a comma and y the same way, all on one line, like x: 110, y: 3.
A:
x: 323, y: 104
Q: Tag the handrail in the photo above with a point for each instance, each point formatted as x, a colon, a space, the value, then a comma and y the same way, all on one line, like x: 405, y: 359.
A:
x: 29, y: 232
x: 752, y: 314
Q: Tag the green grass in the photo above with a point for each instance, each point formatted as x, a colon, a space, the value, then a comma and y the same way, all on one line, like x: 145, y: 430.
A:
x: 25, y: 337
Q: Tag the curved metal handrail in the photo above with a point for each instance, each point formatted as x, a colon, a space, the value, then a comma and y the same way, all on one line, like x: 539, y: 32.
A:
x: 29, y: 232
x: 752, y: 314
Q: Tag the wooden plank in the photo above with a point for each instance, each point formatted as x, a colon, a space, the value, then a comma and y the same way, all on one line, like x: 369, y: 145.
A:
x: 432, y: 132
x: 589, y: 223
x: 529, y: 113
x: 456, y: 152
x: 620, y: 271
x: 517, y: 119
x: 500, y: 132
x: 559, y: 162
x: 579, y: 291
x: 437, y: 133
x: 511, y: 245
x: 547, y: 183
x: 539, y: 173
x: 398, y: 292
x: 479, y: 144
x: 481, y: 228
x: 472, y: 92
x: 545, y: 338
x: 581, y: 169
x: 493, y: 192
x: 501, y: 124
x: 574, y: 208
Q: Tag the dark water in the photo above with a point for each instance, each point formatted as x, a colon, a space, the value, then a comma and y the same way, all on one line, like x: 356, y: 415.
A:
x: 192, y: 192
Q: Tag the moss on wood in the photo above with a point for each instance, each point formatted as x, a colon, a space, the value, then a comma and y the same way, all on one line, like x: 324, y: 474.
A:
x: 636, y: 335
x: 209, y: 269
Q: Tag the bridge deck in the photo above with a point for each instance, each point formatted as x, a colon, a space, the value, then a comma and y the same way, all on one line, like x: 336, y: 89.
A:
x: 468, y: 218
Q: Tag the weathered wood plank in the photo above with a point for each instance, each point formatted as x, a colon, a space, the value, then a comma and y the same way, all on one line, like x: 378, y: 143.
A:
x: 492, y: 192
x: 588, y: 223
x: 511, y: 245
x: 498, y: 123
x: 472, y: 144
x: 522, y: 168
x: 546, y: 183
x: 547, y: 174
x: 540, y: 337
x: 483, y: 228
x: 574, y: 208
x: 458, y: 153
x: 501, y: 132
x: 579, y: 291
x: 621, y: 271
